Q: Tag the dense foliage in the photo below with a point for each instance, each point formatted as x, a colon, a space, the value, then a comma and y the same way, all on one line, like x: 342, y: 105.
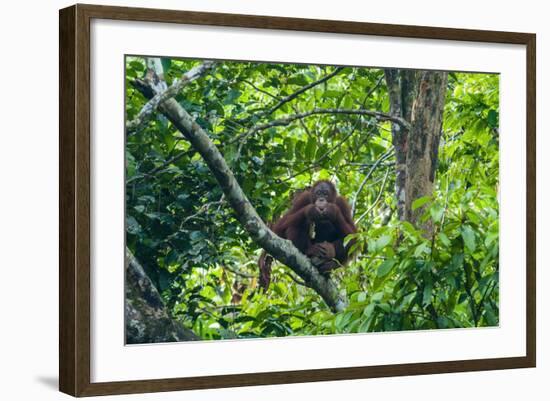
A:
x: 204, y: 263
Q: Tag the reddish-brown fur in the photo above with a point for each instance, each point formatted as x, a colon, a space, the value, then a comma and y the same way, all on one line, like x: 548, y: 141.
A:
x: 330, y: 215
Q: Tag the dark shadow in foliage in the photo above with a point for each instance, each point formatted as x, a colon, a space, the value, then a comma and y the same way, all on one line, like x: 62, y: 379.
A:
x: 146, y: 318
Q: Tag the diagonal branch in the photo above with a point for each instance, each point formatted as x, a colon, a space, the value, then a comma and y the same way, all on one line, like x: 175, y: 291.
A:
x: 147, y: 110
x: 281, y: 249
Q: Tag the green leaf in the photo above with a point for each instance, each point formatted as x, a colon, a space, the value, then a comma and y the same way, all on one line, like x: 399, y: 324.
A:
x: 310, y: 148
x: 166, y: 63
x: 289, y: 147
x: 492, y: 118
x: 342, y: 320
x: 427, y: 294
x: 444, y: 239
x: 385, y: 267
x: 463, y: 297
x: 368, y: 310
x: 469, y: 238
x: 233, y: 95
x: 219, y: 108
x: 300, y: 80
x: 437, y: 213
x: 378, y: 296
x: 348, y: 102
x: 421, y: 249
x: 383, y: 241
x: 474, y: 218
x: 420, y: 202
x: 364, y: 327
x: 132, y: 226
x: 490, y: 316
x: 196, y: 235
x: 136, y: 65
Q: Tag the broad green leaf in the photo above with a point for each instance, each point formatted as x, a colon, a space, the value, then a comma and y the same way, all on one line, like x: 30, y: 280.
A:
x: 136, y: 65
x: 492, y: 118
x: 378, y: 296
x: 300, y: 80
x: 427, y: 294
x: 436, y: 212
x: 132, y: 226
x: 368, y: 310
x: 421, y: 249
x: 420, y: 202
x: 385, y: 267
x: 311, y: 147
x: 232, y: 96
x: 166, y: 63
x: 383, y: 241
x: 444, y: 239
x: 469, y: 238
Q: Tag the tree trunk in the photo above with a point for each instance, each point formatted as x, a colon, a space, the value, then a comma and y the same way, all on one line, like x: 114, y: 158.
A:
x: 146, y: 318
x: 419, y: 98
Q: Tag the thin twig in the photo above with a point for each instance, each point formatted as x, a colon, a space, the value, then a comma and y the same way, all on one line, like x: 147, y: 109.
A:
x: 382, y: 187
x: 321, y: 158
x: 302, y: 90
x: 295, y: 279
x: 261, y: 90
x: 201, y: 210
x: 162, y: 166
x: 384, y: 156
x: 284, y: 121
x: 371, y: 91
x: 238, y: 273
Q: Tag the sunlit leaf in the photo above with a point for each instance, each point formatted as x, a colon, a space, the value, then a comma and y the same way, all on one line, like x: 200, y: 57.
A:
x: 385, y: 268
x: 469, y: 238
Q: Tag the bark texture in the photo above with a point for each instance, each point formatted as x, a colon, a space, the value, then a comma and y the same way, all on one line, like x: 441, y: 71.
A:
x: 417, y: 97
x: 146, y: 318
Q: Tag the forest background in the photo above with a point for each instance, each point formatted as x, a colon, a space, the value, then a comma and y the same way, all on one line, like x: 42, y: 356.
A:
x: 414, y: 152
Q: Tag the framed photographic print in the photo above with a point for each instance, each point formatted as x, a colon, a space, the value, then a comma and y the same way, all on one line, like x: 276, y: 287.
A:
x: 250, y: 200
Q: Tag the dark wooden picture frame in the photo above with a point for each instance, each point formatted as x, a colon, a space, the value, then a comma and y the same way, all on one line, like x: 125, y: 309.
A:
x: 74, y: 203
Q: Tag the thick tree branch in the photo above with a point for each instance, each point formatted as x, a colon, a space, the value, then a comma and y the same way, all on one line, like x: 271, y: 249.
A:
x: 282, y: 250
x: 147, y: 110
x: 146, y: 318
